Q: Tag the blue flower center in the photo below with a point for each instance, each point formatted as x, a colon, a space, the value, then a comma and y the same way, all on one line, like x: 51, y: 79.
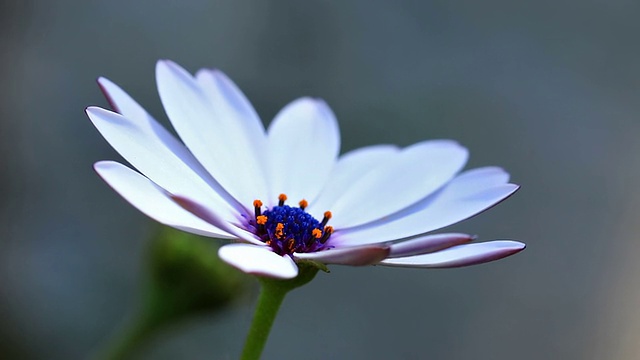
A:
x: 288, y: 229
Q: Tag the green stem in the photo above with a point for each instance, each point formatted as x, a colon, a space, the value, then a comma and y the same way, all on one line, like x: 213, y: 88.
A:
x: 271, y: 296
x: 269, y: 302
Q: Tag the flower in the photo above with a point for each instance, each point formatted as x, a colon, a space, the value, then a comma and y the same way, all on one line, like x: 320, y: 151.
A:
x: 284, y: 195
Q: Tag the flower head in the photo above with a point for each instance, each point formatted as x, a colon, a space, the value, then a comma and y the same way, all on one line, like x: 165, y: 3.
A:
x: 284, y: 195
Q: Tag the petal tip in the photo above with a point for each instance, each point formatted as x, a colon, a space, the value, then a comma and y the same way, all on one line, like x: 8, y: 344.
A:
x: 94, y: 111
x: 165, y: 65
x: 103, y: 80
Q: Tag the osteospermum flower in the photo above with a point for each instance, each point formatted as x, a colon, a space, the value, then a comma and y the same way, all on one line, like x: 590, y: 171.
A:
x: 284, y: 195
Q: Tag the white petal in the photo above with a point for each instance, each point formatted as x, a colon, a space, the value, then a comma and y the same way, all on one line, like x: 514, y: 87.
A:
x: 304, y: 142
x: 428, y: 244
x: 214, y: 219
x: 450, y: 205
x: 484, y: 177
x: 474, y: 180
x: 155, y: 153
x: 403, y: 180
x: 354, y: 256
x: 140, y: 119
x: 350, y: 168
x: 229, y: 101
x: 123, y: 104
x: 462, y: 255
x: 152, y: 200
x: 258, y: 261
x: 222, y: 140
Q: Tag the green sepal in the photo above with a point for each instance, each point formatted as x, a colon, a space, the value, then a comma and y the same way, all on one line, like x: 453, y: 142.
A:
x: 314, y: 263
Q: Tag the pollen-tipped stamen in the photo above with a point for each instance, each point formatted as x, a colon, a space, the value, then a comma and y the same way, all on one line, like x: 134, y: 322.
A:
x: 325, y: 219
x: 257, y: 204
x: 328, y: 230
x: 303, y: 204
x: 281, y: 199
x: 279, y: 233
x: 261, y: 219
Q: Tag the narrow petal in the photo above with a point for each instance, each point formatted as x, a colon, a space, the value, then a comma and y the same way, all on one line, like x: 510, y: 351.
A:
x: 354, y: 256
x: 124, y: 104
x: 416, y: 172
x: 139, y: 118
x: 476, y: 179
x: 465, y: 196
x: 151, y: 200
x: 466, y: 185
x: 304, y: 142
x: 225, y: 143
x: 350, y: 168
x: 462, y: 255
x: 214, y: 219
x: 154, y: 152
x: 258, y: 261
x: 428, y: 244
x: 229, y: 101
x: 233, y: 107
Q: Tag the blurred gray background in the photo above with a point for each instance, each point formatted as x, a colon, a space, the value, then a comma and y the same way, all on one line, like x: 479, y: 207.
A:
x: 550, y: 90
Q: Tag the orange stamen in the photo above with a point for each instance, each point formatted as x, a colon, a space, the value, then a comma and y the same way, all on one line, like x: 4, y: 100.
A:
x: 257, y: 211
x: 317, y: 233
x: 303, y: 204
x: 279, y: 230
x: 327, y: 216
x: 261, y: 220
x: 328, y: 230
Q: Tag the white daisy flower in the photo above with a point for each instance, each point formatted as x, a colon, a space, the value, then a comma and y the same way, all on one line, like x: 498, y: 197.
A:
x: 284, y: 195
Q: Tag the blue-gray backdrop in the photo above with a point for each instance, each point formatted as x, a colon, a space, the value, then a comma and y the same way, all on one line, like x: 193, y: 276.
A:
x: 550, y: 90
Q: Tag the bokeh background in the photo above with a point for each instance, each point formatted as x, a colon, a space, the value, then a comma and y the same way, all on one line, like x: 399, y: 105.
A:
x: 550, y: 90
